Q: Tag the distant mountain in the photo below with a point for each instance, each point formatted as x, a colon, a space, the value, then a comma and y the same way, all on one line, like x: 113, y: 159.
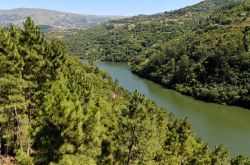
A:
x: 52, y: 19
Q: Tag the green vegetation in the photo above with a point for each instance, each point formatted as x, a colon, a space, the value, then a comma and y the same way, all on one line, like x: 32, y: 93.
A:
x: 56, y: 110
x: 211, y: 63
x: 201, y: 50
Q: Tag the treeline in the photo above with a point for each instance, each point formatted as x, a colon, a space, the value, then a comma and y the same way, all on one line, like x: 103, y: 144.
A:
x: 119, y: 42
x: 56, y: 110
x: 211, y: 64
x: 122, y: 40
x: 201, y: 50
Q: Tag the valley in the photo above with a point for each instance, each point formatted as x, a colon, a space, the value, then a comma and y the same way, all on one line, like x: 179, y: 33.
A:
x: 167, y: 88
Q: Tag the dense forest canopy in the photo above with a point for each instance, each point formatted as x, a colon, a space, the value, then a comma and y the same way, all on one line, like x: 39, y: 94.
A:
x: 56, y: 110
x: 201, y: 50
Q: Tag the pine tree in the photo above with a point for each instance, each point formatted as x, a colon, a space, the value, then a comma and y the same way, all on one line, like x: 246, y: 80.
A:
x: 220, y: 156
x: 138, y: 137
x: 69, y: 122
x: 13, y: 107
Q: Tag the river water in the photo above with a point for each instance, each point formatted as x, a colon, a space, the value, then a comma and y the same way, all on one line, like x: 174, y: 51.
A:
x: 216, y: 124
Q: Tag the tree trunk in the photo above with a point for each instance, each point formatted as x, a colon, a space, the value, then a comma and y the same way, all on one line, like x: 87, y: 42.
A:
x: 18, y: 128
x: 1, y: 139
x: 7, y: 139
x: 28, y: 142
x: 131, y: 145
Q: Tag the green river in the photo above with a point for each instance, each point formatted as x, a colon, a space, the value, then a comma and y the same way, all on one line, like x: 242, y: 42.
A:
x: 217, y: 124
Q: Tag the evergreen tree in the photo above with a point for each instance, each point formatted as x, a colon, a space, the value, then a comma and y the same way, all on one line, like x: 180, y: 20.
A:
x: 139, y: 139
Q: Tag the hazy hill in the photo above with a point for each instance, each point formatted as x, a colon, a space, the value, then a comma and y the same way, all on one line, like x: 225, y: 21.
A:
x: 52, y: 18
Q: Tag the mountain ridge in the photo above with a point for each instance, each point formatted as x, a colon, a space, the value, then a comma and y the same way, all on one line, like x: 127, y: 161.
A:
x: 53, y: 18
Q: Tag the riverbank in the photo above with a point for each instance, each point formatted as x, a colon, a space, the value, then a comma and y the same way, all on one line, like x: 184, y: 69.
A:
x: 195, y: 92
x: 215, y: 123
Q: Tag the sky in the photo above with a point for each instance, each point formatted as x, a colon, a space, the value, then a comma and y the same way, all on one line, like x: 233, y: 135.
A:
x: 101, y: 7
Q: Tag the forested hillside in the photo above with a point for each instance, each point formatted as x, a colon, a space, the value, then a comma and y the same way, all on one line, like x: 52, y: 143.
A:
x: 54, y: 109
x: 201, y: 50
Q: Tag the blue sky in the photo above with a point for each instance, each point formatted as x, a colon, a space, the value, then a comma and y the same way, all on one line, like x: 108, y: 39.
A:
x: 101, y: 7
